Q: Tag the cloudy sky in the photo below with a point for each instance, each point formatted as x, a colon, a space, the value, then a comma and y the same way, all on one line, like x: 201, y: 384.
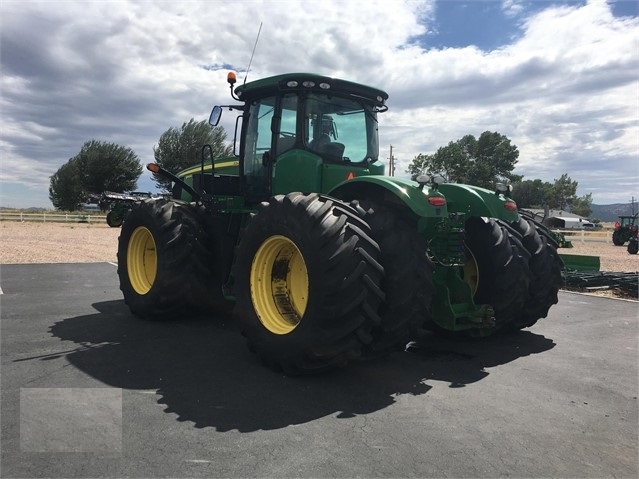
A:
x: 559, y: 78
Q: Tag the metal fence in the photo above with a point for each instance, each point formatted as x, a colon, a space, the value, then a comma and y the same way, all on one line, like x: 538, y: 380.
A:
x: 51, y: 217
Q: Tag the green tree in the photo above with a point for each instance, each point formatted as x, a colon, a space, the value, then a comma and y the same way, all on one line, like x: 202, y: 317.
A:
x: 180, y: 148
x: 482, y: 162
x: 531, y: 193
x: 98, y: 167
x: 582, y: 205
x: 65, y: 189
x: 562, y: 193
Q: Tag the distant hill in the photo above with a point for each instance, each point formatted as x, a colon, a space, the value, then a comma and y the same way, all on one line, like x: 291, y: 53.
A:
x: 612, y: 212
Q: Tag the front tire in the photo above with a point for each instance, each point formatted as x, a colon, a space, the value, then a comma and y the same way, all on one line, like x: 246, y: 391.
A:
x: 307, y: 283
x: 163, y: 258
x: 496, y: 268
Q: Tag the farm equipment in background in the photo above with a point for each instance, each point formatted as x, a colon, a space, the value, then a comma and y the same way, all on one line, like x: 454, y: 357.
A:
x: 324, y: 258
x: 559, y: 238
x: 118, y: 205
x: 572, y: 262
x: 626, y: 231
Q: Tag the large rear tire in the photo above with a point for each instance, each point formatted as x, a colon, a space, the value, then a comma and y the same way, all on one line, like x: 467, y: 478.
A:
x: 163, y: 259
x: 307, y: 283
x: 545, y: 273
x: 496, y: 268
x: 408, y: 281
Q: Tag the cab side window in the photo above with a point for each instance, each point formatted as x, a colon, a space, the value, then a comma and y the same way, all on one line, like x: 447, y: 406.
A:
x: 287, y: 137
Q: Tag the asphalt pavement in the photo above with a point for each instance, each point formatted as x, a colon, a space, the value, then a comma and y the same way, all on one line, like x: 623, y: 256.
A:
x: 88, y: 390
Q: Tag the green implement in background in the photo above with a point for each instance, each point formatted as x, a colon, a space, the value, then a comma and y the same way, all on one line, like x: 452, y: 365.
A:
x: 579, y: 262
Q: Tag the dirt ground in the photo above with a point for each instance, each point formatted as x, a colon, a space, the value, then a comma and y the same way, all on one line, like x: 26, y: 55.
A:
x: 32, y: 242
x: 36, y: 242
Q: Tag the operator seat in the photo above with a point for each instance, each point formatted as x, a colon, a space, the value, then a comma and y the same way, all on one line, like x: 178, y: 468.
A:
x: 284, y: 143
x: 320, y: 143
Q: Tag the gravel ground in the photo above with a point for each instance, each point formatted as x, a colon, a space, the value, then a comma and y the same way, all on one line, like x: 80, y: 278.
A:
x: 25, y: 242
x: 57, y: 243
x: 82, y: 243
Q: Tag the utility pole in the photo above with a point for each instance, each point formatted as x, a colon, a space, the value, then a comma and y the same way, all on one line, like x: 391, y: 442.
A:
x: 391, y: 163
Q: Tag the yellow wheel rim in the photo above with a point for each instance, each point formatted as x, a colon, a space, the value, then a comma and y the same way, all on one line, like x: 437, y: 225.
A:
x: 141, y: 260
x: 279, y: 285
x: 471, y: 272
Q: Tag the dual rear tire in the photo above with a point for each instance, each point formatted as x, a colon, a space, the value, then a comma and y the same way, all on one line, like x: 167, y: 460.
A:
x: 307, y: 283
x: 545, y: 271
x: 514, y: 267
x: 496, y: 268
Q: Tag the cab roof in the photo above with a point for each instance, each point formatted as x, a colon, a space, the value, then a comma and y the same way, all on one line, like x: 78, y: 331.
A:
x: 309, y: 82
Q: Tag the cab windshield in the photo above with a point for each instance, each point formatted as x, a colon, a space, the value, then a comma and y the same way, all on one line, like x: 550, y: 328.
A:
x: 341, y: 129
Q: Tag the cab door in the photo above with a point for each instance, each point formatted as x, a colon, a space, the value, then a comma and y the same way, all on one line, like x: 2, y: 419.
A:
x: 257, y: 145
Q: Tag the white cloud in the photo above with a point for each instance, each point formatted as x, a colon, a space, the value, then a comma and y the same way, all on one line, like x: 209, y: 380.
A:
x: 565, y: 92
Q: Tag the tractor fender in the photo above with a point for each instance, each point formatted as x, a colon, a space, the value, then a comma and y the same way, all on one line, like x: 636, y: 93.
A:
x: 477, y: 201
x: 391, y: 190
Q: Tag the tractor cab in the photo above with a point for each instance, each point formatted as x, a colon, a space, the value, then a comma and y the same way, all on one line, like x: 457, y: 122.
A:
x: 304, y: 132
x: 626, y: 222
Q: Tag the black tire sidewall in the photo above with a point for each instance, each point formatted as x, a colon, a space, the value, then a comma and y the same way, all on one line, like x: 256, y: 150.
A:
x: 306, y: 246
x: 502, y: 263
x: 340, y: 310
x: 170, y: 293
x: 112, y: 220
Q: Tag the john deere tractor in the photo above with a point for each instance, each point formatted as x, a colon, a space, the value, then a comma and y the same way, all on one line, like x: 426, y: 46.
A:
x: 324, y: 258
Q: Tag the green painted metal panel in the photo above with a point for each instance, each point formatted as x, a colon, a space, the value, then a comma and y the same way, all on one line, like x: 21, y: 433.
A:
x: 335, y: 174
x: 579, y: 262
x: 404, y: 190
x: 297, y: 170
x: 223, y: 166
x: 476, y: 201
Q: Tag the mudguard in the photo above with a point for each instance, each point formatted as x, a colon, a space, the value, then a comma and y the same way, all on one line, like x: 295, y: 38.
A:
x: 392, y: 190
x: 476, y: 201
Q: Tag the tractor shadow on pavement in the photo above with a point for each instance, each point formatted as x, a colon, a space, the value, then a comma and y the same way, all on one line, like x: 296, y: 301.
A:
x: 203, y: 372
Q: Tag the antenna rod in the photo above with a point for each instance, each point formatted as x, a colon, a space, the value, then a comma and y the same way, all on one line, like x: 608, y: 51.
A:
x: 253, y: 53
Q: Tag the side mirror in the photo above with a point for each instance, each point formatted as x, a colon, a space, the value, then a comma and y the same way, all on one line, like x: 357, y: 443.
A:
x: 216, y: 114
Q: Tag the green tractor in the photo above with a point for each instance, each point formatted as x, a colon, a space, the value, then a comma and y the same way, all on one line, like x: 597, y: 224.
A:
x: 626, y: 231
x: 324, y: 258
